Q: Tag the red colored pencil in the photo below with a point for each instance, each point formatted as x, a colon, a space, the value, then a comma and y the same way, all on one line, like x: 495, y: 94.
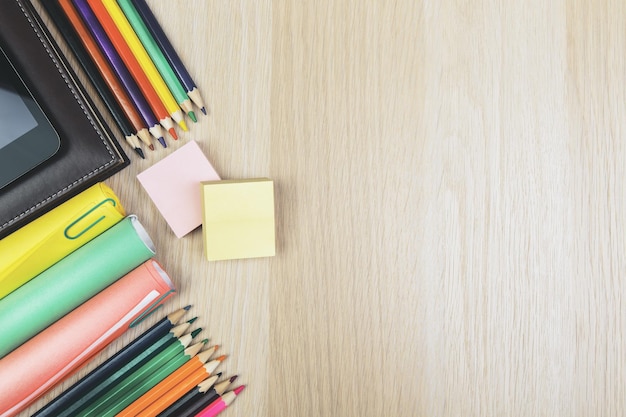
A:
x: 133, y: 66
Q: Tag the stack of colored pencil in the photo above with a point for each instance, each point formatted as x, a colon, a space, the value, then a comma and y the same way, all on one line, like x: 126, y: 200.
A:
x: 162, y: 372
x: 132, y: 65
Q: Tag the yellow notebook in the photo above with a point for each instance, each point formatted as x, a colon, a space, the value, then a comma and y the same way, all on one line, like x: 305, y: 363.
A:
x: 46, y: 240
x: 238, y: 218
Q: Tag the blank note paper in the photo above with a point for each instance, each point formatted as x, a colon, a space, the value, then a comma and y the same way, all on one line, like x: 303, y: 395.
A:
x: 238, y: 219
x: 173, y: 184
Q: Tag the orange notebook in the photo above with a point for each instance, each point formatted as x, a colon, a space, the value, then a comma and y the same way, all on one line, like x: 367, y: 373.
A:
x: 46, y: 359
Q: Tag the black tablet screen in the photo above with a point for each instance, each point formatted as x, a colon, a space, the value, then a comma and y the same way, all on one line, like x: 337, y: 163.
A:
x: 27, y: 138
x: 15, y: 118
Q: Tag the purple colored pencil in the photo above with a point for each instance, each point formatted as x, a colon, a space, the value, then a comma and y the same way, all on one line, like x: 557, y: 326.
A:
x: 170, y: 53
x: 120, y: 69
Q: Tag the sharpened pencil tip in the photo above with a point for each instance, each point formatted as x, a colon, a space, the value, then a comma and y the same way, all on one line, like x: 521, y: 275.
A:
x: 239, y: 389
x: 162, y: 142
x: 192, y: 116
x: 192, y: 320
x: 183, y: 125
x: 221, y: 358
x: 186, y: 308
x: 151, y: 146
x: 232, y: 378
x: 173, y: 133
x: 203, y: 111
x: 195, y: 332
x: 140, y: 153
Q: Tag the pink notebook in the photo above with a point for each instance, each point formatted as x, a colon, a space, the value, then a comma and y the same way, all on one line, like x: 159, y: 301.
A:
x: 70, y: 342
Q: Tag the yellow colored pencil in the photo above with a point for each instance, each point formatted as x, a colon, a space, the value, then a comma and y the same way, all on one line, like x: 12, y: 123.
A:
x: 145, y: 62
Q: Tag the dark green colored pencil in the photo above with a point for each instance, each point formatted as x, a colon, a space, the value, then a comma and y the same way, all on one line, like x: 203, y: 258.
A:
x: 148, y: 338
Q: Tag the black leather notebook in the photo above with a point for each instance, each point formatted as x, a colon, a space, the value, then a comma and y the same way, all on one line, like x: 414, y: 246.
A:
x: 88, y: 153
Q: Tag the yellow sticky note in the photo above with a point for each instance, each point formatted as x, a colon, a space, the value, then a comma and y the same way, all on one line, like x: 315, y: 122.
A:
x: 238, y: 218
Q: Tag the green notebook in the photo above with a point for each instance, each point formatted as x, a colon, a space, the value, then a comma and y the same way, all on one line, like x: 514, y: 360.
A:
x: 72, y: 281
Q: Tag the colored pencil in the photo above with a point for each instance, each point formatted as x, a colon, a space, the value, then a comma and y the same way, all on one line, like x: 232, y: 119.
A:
x: 157, y: 57
x: 187, y: 376
x: 133, y: 388
x: 130, y: 86
x: 170, y: 53
x: 221, y: 403
x: 117, y: 15
x: 112, y: 82
x: 110, y: 40
x: 177, y: 391
x: 117, y: 105
x: 128, y: 376
x: 140, y: 344
x: 190, y: 405
x: 96, y: 66
x: 167, y: 343
x: 177, y: 407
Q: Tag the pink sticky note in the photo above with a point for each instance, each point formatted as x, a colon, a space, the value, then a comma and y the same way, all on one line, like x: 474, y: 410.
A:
x: 173, y: 184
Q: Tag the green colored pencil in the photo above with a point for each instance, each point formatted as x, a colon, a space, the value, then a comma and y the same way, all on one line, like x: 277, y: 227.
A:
x: 155, y: 53
x: 169, y: 339
x: 109, y: 396
x: 71, y: 395
x: 128, y: 396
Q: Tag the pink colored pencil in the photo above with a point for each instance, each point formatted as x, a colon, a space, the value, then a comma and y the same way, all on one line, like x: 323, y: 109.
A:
x: 221, y: 403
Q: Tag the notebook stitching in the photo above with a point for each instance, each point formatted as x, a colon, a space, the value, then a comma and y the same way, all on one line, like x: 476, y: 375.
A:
x: 80, y: 103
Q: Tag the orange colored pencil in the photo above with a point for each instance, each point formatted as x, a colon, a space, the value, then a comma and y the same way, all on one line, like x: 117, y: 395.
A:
x: 132, y: 64
x: 107, y: 73
x: 175, y: 393
x: 175, y: 378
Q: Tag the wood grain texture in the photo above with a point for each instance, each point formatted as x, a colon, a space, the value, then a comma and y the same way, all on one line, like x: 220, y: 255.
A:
x: 449, y: 204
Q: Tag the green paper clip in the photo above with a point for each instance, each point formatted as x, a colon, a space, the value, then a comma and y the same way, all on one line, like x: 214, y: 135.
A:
x: 67, y: 229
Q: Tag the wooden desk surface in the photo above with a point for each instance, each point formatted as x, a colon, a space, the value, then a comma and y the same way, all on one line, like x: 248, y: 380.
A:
x: 450, y: 204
